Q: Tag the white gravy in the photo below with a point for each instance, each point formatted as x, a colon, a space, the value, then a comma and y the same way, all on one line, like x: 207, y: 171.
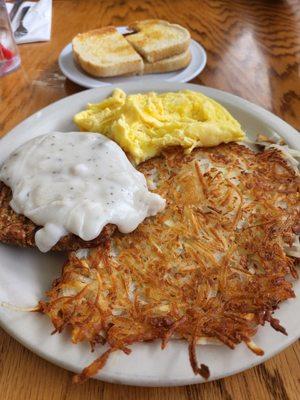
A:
x: 76, y: 182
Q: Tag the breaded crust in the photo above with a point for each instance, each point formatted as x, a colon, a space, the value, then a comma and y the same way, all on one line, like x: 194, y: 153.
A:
x: 18, y: 230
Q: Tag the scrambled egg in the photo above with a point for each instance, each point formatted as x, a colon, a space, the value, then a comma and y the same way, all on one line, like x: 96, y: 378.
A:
x: 144, y: 124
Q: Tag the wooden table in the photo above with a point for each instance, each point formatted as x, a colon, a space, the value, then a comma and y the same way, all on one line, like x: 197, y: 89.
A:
x: 253, y: 51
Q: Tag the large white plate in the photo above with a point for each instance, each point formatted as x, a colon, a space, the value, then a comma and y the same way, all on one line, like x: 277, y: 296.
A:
x: 72, y: 71
x: 27, y: 274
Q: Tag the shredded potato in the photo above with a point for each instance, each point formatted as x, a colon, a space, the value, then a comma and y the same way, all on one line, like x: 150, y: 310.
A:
x: 213, y: 265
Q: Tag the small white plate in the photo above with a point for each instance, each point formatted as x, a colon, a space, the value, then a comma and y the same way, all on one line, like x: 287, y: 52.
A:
x: 73, y: 71
x: 27, y: 274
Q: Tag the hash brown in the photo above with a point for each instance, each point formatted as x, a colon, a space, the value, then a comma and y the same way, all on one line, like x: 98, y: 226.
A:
x: 213, y: 265
x: 18, y: 230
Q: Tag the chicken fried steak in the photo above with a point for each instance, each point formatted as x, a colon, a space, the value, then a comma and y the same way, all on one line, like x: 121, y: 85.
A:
x: 19, y: 230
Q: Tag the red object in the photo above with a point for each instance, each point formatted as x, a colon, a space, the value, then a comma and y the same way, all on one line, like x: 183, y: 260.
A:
x: 5, y: 53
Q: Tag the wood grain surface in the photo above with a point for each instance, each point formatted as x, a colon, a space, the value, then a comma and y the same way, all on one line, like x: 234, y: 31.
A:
x: 253, y: 51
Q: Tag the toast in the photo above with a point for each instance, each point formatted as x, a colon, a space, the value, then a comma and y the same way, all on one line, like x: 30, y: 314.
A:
x: 155, y: 39
x: 105, y: 52
x: 168, y: 64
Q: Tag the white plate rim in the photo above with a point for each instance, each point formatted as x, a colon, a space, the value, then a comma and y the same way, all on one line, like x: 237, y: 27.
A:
x: 275, y: 123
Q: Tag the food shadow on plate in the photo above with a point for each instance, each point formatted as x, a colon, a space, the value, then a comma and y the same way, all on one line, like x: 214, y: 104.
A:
x: 27, y: 273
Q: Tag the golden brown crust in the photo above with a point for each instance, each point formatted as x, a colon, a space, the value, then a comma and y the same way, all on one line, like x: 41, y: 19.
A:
x: 211, y: 265
x: 107, y: 30
x: 126, y: 68
x: 18, y: 230
x: 137, y: 24
x: 165, y: 49
x: 98, y: 68
x: 168, y: 64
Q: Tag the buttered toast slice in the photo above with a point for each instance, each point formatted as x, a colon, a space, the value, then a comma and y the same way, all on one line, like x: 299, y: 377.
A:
x: 168, y: 64
x: 105, y: 52
x: 158, y: 39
